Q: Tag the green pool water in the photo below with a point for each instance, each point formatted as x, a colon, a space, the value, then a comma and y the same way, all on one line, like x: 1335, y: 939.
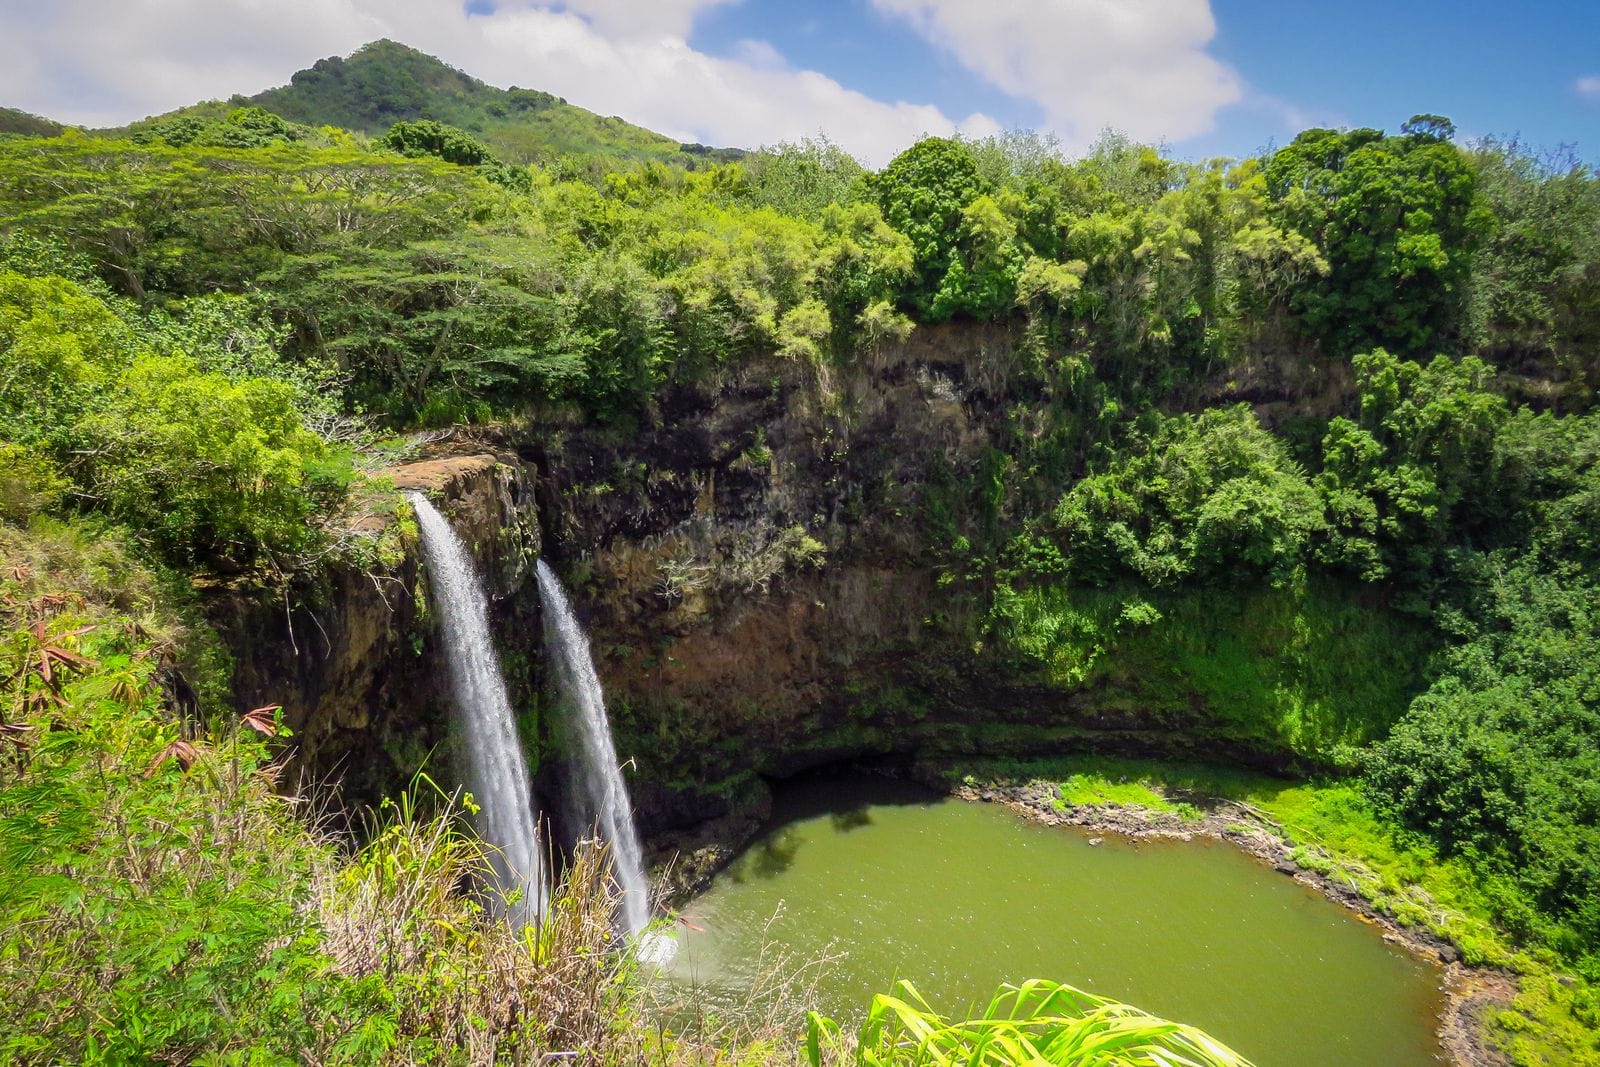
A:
x: 959, y: 897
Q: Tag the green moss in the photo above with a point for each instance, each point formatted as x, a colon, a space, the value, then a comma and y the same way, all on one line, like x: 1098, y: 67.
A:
x: 886, y: 701
x: 1554, y: 1019
x: 1314, y: 669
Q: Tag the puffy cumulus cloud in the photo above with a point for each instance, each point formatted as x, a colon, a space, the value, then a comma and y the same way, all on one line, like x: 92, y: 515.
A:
x: 1588, y: 88
x: 668, y: 86
x: 98, y: 64
x: 1138, y: 65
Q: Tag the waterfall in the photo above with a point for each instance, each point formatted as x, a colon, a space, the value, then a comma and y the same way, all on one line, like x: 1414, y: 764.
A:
x: 603, y: 798
x: 497, y: 773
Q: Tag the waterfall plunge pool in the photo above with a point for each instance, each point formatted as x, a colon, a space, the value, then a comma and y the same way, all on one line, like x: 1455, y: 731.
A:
x: 959, y: 897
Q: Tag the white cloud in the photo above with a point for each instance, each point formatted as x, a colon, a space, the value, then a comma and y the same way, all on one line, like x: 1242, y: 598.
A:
x: 1138, y: 65
x: 97, y: 63
x: 1588, y: 87
x: 100, y: 64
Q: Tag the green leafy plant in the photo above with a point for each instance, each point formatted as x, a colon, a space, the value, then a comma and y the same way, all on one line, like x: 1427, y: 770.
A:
x: 1036, y: 1023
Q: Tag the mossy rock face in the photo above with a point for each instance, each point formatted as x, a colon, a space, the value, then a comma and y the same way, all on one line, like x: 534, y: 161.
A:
x: 724, y: 655
x: 770, y: 584
x: 352, y: 656
x: 489, y: 501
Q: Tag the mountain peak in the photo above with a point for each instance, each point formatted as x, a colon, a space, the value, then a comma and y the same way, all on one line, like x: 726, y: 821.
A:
x: 386, y: 81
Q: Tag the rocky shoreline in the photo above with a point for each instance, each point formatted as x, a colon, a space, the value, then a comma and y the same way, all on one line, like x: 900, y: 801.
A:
x: 1469, y: 991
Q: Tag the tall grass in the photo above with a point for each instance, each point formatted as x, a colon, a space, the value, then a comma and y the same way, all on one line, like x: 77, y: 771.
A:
x: 1038, y: 1023
x: 405, y: 913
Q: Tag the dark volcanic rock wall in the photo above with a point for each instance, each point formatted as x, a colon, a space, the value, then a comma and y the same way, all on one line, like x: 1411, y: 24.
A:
x: 350, y: 654
x: 760, y: 570
x: 762, y: 593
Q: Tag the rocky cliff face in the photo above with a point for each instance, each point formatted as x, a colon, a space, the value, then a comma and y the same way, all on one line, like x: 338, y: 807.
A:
x: 760, y: 575
x: 760, y: 571
x: 349, y: 653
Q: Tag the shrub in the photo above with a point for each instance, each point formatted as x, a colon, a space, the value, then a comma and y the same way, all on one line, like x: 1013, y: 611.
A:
x: 29, y: 483
x: 1210, y: 495
x: 212, y: 471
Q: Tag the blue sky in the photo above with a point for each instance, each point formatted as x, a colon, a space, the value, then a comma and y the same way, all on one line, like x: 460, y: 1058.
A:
x: 1494, y: 68
x: 1207, y: 77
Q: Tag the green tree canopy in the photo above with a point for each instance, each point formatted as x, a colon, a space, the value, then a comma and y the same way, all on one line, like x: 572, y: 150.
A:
x: 1398, y: 220
x: 1209, y: 495
x: 1414, y: 473
x: 924, y: 193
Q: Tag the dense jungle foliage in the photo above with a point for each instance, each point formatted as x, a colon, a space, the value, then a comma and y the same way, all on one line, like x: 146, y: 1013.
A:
x: 208, y: 327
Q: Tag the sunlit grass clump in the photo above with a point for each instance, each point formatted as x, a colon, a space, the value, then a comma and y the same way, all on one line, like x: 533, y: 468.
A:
x: 1036, y: 1023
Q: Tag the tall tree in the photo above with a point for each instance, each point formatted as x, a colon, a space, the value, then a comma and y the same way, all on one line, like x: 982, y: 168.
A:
x: 1397, y: 218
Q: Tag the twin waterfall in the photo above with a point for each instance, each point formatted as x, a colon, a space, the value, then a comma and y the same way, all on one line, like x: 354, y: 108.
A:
x: 497, y: 770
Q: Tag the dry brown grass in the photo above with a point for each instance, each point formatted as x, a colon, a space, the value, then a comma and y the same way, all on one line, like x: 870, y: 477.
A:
x: 405, y: 910
x: 759, y: 1026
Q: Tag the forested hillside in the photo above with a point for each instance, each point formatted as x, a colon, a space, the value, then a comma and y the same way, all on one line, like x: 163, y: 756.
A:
x: 386, y: 82
x: 1302, y: 448
x: 21, y: 122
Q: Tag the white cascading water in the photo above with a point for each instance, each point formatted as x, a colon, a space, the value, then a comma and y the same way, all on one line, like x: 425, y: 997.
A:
x: 497, y: 772
x: 604, y: 797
